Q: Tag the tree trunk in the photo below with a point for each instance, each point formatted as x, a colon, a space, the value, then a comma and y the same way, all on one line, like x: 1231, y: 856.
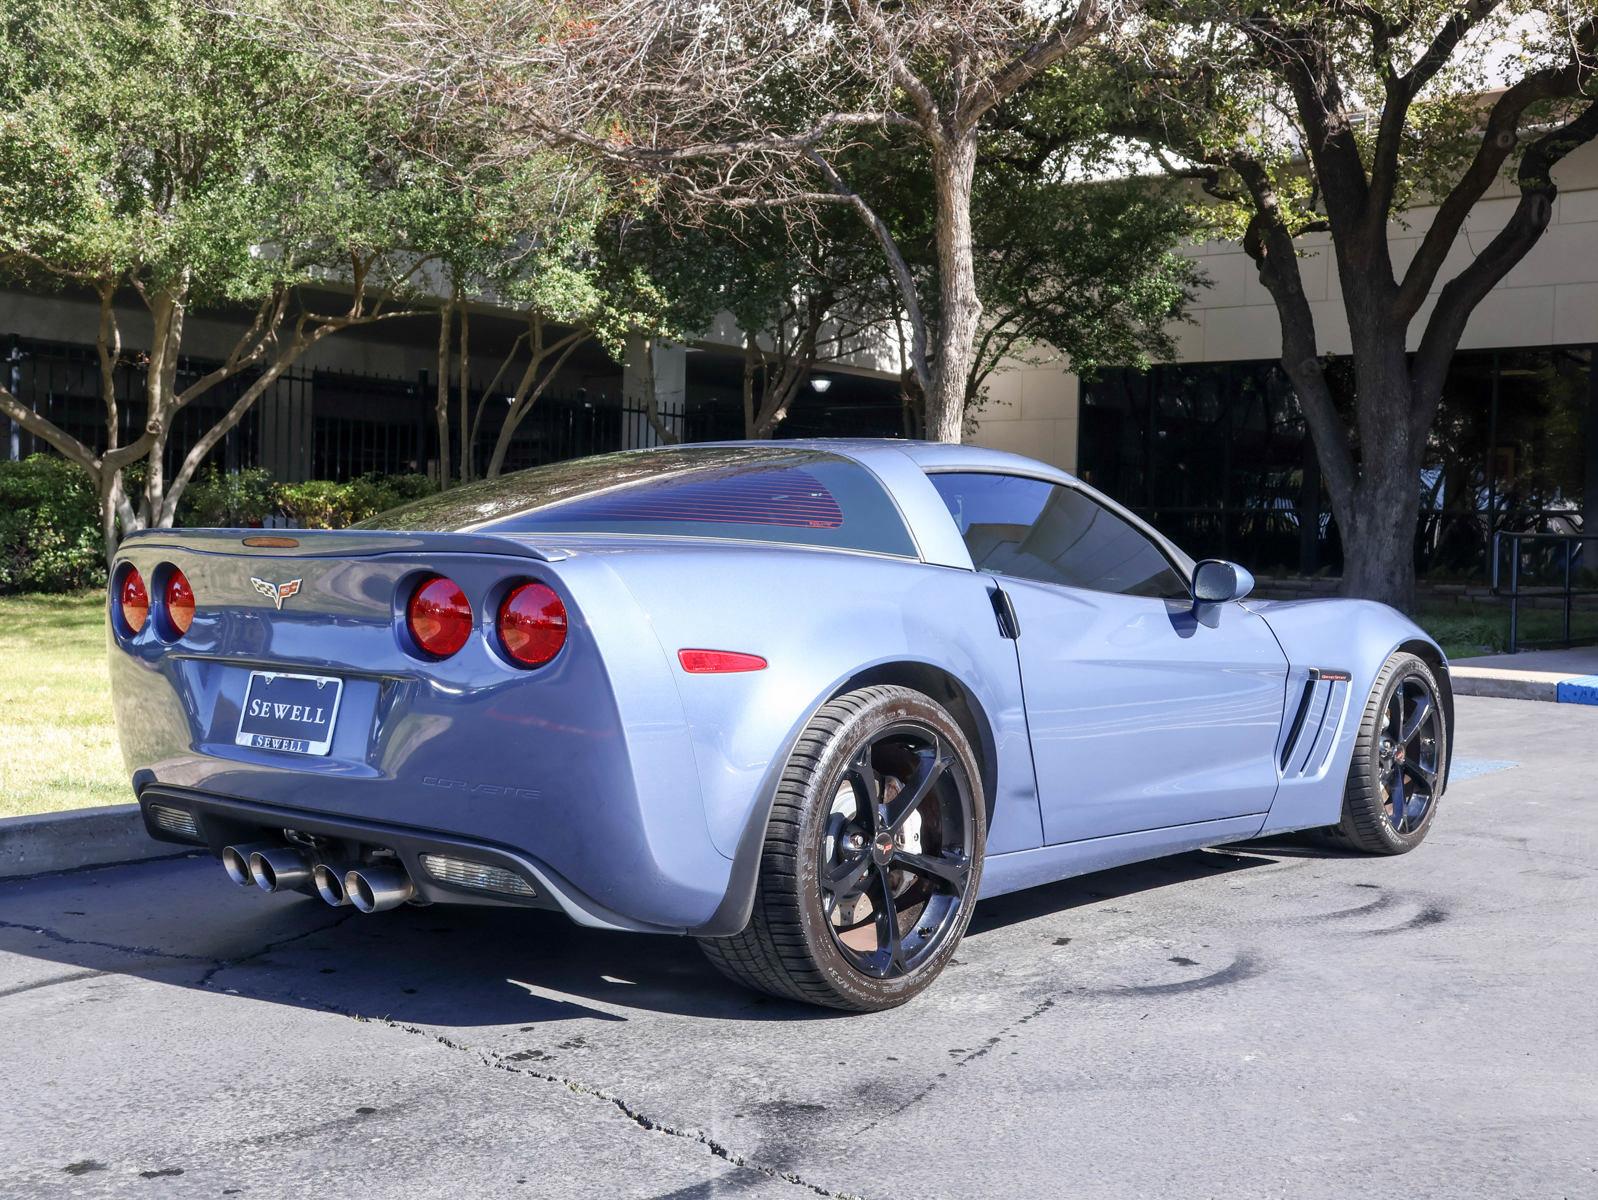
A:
x: 496, y: 460
x: 531, y: 387
x: 167, y: 311
x: 466, y: 392
x: 959, y: 306
x: 751, y: 366
x: 1379, y: 537
x: 441, y: 401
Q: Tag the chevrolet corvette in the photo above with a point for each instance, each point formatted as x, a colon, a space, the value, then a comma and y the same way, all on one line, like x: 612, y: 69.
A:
x: 806, y: 702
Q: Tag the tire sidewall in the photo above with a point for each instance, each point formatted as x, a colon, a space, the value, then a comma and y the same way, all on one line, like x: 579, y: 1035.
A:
x: 1406, y: 666
x: 900, y: 705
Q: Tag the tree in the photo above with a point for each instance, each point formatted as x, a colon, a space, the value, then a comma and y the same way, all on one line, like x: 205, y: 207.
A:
x: 802, y: 302
x: 1343, y: 118
x: 148, y: 149
x: 747, y: 104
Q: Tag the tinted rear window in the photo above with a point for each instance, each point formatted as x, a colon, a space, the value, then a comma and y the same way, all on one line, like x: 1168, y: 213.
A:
x: 750, y: 493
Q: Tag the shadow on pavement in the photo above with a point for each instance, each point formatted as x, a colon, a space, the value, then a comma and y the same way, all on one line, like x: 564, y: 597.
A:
x: 180, y: 922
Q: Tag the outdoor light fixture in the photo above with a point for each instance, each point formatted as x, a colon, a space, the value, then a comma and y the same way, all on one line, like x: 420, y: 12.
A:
x: 821, y: 384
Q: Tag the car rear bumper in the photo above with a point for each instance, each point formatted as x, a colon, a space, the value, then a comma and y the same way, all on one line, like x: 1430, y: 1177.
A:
x: 223, y: 821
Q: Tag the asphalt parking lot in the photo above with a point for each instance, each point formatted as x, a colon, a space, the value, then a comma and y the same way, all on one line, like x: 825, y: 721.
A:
x: 1265, y: 1021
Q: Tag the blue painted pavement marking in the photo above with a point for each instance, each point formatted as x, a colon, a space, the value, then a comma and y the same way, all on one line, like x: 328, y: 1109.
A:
x: 1473, y: 768
x: 1582, y: 689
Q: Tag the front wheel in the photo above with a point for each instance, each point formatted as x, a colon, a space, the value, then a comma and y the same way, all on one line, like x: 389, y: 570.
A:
x: 872, y: 857
x: 1397, y: 774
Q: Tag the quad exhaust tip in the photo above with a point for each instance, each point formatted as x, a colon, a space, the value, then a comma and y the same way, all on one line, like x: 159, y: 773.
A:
x: 376, y: 889
x: 279, y: 868
x: 329, y: 884
x: 236, y: 862
x: 283, y: 868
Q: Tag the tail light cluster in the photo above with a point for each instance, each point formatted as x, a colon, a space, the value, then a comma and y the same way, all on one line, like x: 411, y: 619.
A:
x: 133, y: 599
x: 530, y: 625
x: 177, y: 601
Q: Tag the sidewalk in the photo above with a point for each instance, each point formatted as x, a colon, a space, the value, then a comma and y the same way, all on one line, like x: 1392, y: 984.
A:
x: 1562, y: 676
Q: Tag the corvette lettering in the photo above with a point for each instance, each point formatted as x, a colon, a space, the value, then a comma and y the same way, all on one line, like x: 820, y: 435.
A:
x: 480, y: 789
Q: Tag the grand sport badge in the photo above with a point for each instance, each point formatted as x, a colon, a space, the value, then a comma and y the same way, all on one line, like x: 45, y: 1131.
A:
x: 275, y: 592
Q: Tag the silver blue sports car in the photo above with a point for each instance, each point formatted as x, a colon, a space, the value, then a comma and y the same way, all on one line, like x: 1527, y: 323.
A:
x: 804, y: 701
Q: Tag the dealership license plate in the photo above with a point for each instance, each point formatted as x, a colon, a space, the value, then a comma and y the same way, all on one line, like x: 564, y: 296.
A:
x: 292, y: 713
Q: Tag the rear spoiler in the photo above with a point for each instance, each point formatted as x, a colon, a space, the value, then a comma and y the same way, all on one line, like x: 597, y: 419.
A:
x: 333, y: 543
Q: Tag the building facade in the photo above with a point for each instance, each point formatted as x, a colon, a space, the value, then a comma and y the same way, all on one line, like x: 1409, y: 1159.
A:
x: 1213, y: 449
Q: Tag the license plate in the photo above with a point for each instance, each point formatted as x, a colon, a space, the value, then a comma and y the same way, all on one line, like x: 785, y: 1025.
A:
x: 292, y: 713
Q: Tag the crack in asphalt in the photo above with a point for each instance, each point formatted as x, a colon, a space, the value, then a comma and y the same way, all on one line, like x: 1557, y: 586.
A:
x: 630, y: 1111
x: 981, y: 1051
x: 214, y: 965
x: 141, y: 951
x: 220, y: 965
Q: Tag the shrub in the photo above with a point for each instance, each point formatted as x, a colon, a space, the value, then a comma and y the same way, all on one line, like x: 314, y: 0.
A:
x: 49, y: 527
x: 216, y: 499
x: 323, y: 504
x: 50, y: 517
x: 315, y: 504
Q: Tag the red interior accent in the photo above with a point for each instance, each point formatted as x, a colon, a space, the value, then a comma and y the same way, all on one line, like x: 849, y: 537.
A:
x: 179, y: 602
x: 134, y: 600
x: 440, y: 616
x: 532, y: 624
x: 718, y: 662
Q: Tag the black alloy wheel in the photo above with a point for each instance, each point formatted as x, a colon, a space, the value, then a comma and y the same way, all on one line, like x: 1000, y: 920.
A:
x: 872, y: 857
x: 1400, y: 763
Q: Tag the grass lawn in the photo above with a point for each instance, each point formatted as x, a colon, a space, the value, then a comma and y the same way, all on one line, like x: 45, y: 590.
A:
x: 1467, y: 630
x: 59, y: 747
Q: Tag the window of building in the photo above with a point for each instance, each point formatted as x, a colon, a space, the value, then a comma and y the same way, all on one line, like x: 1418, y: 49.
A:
x: 1038, y: 530
x: 1217, y: 457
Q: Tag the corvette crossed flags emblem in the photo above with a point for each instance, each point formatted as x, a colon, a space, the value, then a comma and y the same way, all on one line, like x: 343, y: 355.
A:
x: 275, y: 592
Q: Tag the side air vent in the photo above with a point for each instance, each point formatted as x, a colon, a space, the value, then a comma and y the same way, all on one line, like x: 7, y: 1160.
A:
x: 1317, y: 716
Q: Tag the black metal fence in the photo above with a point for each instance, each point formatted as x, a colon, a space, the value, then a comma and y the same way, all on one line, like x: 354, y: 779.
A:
x: 61, y: 382
x: 326, y: 424
x: 1546, y: 566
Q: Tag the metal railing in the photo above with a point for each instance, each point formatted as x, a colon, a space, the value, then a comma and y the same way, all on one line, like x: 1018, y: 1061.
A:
x: 1567, y: 550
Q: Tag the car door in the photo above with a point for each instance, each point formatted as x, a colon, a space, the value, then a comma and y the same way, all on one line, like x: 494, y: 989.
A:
x: 1141, y: 715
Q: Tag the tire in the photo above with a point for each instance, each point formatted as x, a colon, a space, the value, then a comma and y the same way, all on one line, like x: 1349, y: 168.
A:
x: 807, y: 939
x: 1383, y: 757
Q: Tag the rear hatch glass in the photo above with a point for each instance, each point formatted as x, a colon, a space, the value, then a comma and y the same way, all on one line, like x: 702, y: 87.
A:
x: 768, y: 494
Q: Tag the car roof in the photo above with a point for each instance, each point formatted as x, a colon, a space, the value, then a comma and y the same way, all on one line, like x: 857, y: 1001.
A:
x: 927, y: 455
x: 944, y: 456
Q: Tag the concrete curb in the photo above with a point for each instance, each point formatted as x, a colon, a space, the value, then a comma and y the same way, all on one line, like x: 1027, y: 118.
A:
x: 1505, y: 685
x: 86, y: 837
x: 1525, y: 685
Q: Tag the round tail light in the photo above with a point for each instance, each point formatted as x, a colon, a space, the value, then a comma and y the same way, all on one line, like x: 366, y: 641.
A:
x: 439, y: 616
x: 179, y: 602
x: 532, y: 624
x: 133, y: 600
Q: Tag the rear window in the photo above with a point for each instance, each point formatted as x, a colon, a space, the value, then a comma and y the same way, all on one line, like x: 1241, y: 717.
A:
x: 764, y: 494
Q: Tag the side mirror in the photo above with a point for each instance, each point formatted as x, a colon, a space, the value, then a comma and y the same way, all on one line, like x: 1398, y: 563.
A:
x: 1216, y: 581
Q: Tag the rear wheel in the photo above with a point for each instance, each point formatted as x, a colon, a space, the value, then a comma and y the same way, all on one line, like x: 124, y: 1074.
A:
x: 872, y: 857
x: 1396, y: 777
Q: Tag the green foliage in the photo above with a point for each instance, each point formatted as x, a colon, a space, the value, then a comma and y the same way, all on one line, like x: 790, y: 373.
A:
x: 49, y: 527
x: 1200, y: 84
x: 323, y: 504
x: 237, y: 500
x: 50, y: 537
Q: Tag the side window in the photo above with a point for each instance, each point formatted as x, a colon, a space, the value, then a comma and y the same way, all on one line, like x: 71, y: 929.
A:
x: 1038, y: 530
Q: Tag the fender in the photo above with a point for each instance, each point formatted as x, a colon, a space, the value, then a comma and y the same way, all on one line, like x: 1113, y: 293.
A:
x: 1356, y: 636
